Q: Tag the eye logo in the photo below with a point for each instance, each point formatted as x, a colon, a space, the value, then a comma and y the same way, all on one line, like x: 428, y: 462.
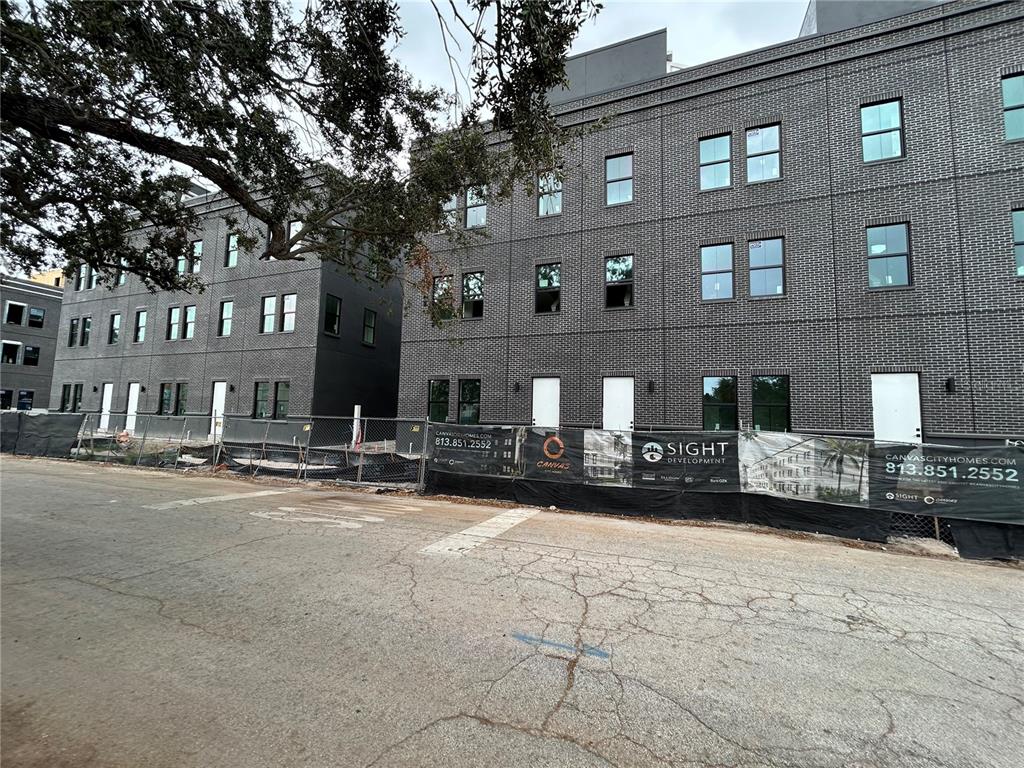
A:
x: 554, y: 447
x: 653, y: 452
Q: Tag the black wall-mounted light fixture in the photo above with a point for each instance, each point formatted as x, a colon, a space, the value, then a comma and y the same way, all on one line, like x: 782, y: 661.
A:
x: 142, y: 389
x: 95, y: 388
x: 231, y: 387
x: 650, y: 386
x: 515, y: 387
x: 951, y: 385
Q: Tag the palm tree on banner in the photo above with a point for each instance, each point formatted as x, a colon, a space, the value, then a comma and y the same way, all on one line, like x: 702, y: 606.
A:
x: 842, y: 453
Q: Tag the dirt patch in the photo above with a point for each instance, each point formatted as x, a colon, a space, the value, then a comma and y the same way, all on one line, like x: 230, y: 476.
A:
x: 27, y: 745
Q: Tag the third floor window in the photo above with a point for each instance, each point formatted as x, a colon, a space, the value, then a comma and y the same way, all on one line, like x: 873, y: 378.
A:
x: 888, y: 256
x: 1013, y: 107
x: 767, y: 276
x: 473, y: 294
x: 618, y: 179
x: 715, y: 163
x: 881, y: 130
x: 763, y: 149
x: 548, y: 291
x: 476, y: 208
x: 549, y: 194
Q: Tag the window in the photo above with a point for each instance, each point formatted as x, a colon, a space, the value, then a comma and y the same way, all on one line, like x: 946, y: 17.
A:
x: 766, y: 273
x: 65, y: 398
x: 450, y: 211
x: 771, y: 403
x: 469, y: 401
x: 549, y: 194
x: 182, y: 264
x: 332, y: 315
x: 180, y: 399
x: 9, y: 355
x: 716, y: 272
x: 6, y: 398
x: 441, y: 296
x: 227, y: 309
x: 720, y: 403
x: 166, y: 399
x: 289, y: 302
x: 114, y: 329
x: 140, y: 325
x: 548, y: 293
x: 281, y: 391
x: 369, y: 326
x: 83, y: 340
x: 261, y: 400
x: 881, y: 131
x: 476, y: 208
x: 173, y: 322
x: 73, y: 332
x: 437, y: 400
x: 25, y: 399
x: 231, y: 254
x: 30, y: 356
x: 888, y: 256
x: 1018, y: 241
x: 81, y: 276
x: 763, y: 153
x: 93, y: 277
x: 196, y: 260
x: 189, y: 330
x: 618, y: 179
x: 14, y: 313
x: 36, y: 317
x: 618, y: 281
x: 1013, y: 107
x: 473, y: 294
x: 294, y: 227
x: 268, y: 314
x: 715, y: 165
x: 70, y: 398
x: 122, y: 276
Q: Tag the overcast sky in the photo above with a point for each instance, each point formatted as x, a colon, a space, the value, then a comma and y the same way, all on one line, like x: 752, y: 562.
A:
x: 698, y: 31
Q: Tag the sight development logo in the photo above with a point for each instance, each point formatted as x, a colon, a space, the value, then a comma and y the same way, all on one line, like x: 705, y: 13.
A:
x: 652, y: 452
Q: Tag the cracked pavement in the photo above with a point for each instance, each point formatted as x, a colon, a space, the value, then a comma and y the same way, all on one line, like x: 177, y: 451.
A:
x: 310, y: 629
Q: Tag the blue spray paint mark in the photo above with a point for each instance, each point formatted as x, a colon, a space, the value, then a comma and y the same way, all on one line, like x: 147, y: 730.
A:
x: 588, y: 650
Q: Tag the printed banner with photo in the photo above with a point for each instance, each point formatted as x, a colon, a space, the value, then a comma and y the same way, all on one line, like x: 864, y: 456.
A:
x: 607, y: 457
x: 792, y: 466
x: 702, y: 461
x: 473, y: 450
x: 553, y: 454
x: 976, y: 483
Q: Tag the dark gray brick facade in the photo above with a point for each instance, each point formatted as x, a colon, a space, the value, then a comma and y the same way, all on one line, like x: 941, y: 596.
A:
x: 956, y: 185
x: 26, y: 385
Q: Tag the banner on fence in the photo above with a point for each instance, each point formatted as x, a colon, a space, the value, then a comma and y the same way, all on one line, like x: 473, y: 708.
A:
x: 977, y: 483
x: 553, y: 454
x: 607, y: 457
x: 705, y: 461
x: 473, y: 450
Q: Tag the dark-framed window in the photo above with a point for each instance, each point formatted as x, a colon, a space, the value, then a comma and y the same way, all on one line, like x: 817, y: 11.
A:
x: 196, y: 259
x: 231, y: 252
x: 763, y: 153
x: 9, y: 352
x: 26, y: 397
x: 716, y: 272
x: 369, y: 327
x: 1018, y: 241
x: 441, y: 296
x: 450, y: 212
x: 881, y: 130
x: 6, y: 398
x: 770, y: 403
x: 180, y: 399
x: 121, y: 276
x: 888, y: 255
x: 182, y: 263
x: 93, y: 278
x: 189, y: 328
x: 36, y: 317
x: 767, y: 271
x: 80, y: 273
x: 469, y: 401
x: 476, y: 208
x: 720, y: 403
x: 65, y: 398
x: 715, y: 155
x: 332, y: 315
x: 261, y: 400
x: 70, y: 398
x: 294, y: 227
x: 549, y: 193
x: 83, y: 339
x: 548, y: 288
x: 437, y: 399
x: 268, y: 314
x: 173, y: 323
x: 73, y: 331
x: 282, y: 392
x: 618, y: 281
x: 166, y: 401
x: 618, y: 179
x: 30, y: 356
x: 141, y: 316
x: 289, y: 306
x: 227, y: 311
x: 1013, y: 107
x: 14, y: 313
x: 473, y: 294
x: 114, y: 329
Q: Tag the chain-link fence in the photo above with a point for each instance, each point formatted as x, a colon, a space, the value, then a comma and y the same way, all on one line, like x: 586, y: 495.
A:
x: 179, y: 442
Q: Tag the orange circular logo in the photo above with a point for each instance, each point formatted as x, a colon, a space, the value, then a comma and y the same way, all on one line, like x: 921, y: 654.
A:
x: 554, y: 447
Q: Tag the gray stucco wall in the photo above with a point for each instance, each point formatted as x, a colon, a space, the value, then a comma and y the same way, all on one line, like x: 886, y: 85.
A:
x: 632, y: 61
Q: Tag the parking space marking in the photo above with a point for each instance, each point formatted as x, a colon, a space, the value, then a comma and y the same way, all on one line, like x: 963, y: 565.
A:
x: 214, y: 499
x: 480, y: 533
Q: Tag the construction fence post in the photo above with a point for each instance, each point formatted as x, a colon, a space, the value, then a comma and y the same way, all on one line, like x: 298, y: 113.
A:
x: 263, y: 450
x: 218, y: 439
x: 142, y: 445
x: 181, y: 439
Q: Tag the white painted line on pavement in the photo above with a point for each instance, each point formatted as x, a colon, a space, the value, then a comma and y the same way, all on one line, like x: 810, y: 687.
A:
x: 213, y: 499
x: 478, y: 534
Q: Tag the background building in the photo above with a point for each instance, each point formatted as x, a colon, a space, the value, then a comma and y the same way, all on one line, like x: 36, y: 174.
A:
x: 825, y: 235
x: 268, y: 339
x: 31, y: 316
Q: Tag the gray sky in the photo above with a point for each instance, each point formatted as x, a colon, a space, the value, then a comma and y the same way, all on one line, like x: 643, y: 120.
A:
x: 698, y: 31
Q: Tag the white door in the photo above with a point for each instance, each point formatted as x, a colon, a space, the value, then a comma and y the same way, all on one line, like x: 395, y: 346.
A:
x: 107, y: 401
x: 618, y: 402
x: 896, y: 407
x: 546, y: 393
x: 220, y: 394
x: 133, y: 406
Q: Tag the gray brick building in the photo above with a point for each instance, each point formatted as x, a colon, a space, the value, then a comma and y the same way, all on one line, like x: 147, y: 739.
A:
x: 857, y: 271
x: 265, y: 338
x: 31, y: 316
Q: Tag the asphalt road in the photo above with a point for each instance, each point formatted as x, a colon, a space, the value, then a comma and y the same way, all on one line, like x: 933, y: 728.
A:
x: 147, y: 622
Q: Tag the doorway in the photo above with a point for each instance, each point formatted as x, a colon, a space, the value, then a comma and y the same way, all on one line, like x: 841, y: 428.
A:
x: 896, y: 407
x: 618, y: 403
x: 546, y: 395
